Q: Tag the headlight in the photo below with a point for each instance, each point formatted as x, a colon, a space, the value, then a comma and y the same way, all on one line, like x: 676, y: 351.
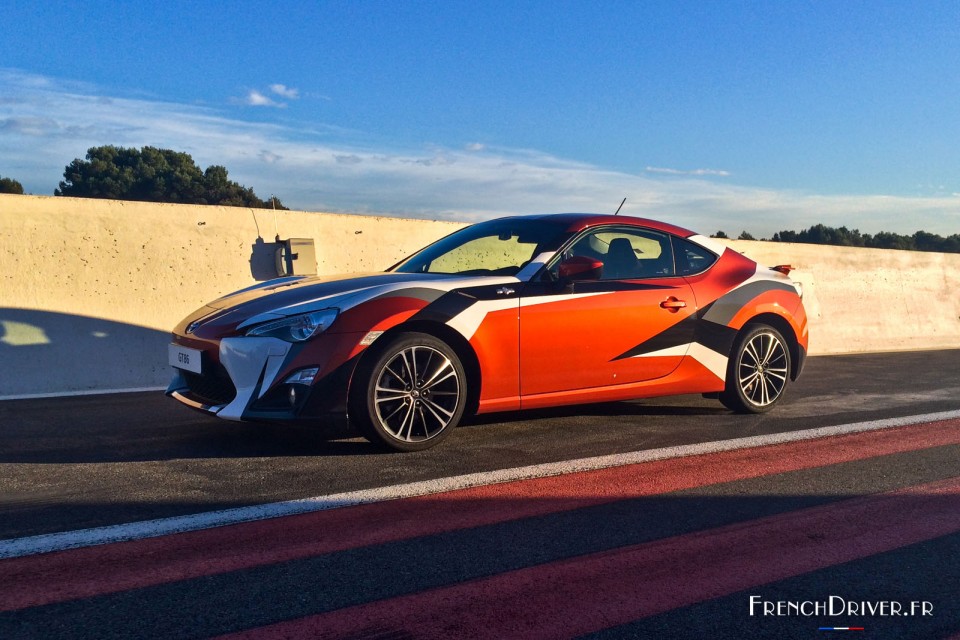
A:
x: 296, y: 328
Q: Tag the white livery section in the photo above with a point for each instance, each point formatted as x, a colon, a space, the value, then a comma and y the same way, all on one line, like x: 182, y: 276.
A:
x: 245, y: 359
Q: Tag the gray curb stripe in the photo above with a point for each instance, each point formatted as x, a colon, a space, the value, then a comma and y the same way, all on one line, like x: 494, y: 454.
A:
x: 73, y: 394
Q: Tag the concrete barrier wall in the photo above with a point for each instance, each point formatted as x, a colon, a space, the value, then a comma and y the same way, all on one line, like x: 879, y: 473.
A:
x: 90, y: 288
x: 862, y: 300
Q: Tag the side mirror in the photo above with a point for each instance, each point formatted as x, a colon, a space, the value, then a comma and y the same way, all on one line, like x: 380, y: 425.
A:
x: 580, y: 268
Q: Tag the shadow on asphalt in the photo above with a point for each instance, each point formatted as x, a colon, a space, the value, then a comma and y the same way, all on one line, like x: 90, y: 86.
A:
x: 145, y: 427
x: 607, y: 409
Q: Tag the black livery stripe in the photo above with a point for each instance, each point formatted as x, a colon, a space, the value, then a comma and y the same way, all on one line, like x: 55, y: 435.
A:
x: 449, y: 305
x: 445, y: 308
x: 421, y: 293
x: 723, y: 310
x: 679, y: 334
x: 718, y: 337
x: 604, y: 286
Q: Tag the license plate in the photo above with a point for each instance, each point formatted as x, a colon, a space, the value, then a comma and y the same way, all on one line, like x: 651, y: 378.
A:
x: 184, y: 358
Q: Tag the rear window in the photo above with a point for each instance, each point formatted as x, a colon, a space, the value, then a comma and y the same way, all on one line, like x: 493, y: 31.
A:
x: 691, y: 258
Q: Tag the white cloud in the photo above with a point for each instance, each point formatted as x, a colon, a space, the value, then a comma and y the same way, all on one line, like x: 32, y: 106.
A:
x: 256, y: 99
x: 269, y: 157
x: 691, y: 172
x: 46, y: 123
x: 348, y: 158
x: 476, y: 146
x: 30, y: 126
x: 285, y: 92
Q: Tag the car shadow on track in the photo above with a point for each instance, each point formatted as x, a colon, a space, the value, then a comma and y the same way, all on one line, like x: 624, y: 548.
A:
x: 676, y: 406
x: 147, y: 427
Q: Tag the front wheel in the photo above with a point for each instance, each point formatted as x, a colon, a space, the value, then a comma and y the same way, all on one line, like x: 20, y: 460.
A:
x: 411, y: 395
x: 758, y: 370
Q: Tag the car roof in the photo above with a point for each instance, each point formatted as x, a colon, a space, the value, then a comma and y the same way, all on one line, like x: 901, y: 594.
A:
x: 579, y: 221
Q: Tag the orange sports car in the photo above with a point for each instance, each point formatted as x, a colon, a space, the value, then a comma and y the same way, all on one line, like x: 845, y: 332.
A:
x: 509, y: 314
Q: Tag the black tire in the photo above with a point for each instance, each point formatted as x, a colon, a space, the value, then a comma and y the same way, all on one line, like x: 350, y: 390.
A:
x: 410, y: 394
x: 758, y: 371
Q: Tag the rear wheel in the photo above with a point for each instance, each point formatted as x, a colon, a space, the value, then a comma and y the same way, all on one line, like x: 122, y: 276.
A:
x: 411, y: 395
x: 758, y: 371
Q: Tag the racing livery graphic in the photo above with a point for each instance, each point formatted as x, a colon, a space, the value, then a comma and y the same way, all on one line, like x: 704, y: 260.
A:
x: 514, y: 313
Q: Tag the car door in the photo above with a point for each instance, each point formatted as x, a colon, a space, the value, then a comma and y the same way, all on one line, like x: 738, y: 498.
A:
x: 632, y: 324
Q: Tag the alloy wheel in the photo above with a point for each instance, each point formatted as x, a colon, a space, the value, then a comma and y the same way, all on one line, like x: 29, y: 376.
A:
x: 763, y: 368
x: 416, y: 394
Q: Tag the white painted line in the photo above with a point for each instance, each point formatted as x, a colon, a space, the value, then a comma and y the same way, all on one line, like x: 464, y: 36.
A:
x: 48, y: 543
x: 71, y: 394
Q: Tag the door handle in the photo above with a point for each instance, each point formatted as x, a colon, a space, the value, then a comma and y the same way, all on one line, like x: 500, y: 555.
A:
x: 672, y: 304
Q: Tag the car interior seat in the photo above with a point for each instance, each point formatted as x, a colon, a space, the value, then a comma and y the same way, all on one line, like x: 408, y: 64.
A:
x: 621, y: 261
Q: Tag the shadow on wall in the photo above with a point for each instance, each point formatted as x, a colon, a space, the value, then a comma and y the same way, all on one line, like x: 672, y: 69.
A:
x: 46, y: 352
x: 263, y: 259
x: 293, y: 256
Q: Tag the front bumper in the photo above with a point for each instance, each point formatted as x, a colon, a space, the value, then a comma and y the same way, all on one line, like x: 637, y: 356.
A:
x: 249, y: 365
x: 248, y: 384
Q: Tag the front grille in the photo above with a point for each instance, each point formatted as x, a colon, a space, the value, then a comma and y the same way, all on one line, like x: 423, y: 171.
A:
x: 214, y: 388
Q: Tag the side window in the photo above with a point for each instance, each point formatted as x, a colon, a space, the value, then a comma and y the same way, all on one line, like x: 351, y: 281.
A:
x: 627, y: 254
x: 692, y: 258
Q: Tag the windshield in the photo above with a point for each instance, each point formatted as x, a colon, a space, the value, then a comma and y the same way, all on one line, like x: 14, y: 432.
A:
x: 499, y: 247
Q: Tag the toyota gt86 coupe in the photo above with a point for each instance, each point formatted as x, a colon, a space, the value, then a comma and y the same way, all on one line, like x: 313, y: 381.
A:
x: 514, y: 313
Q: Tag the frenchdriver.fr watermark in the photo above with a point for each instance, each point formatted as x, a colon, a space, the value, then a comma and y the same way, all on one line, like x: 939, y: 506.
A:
x: 838, y: 606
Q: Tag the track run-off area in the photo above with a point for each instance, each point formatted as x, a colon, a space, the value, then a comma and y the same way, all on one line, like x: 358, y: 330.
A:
x: 126, y: 517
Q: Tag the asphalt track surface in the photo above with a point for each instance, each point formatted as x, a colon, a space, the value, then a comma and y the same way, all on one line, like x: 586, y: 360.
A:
x: 673, y: 548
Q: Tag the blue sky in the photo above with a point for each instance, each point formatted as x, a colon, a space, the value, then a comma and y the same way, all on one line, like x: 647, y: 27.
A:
x: 714, y: 115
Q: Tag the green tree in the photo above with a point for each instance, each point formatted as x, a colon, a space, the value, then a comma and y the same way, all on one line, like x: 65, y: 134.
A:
x: 721, y: 235
x: 919, y: 241
x: 9, y: 185
x: 887, y: 240
x: 951, y: 244
x: 151, y: 174
x: 745, y: 236
x: 785, y: 236
x: 924, y: 241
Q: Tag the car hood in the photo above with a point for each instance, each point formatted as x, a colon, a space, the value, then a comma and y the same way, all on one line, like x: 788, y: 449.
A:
x: 283, y: 292
x: 289, y: 296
